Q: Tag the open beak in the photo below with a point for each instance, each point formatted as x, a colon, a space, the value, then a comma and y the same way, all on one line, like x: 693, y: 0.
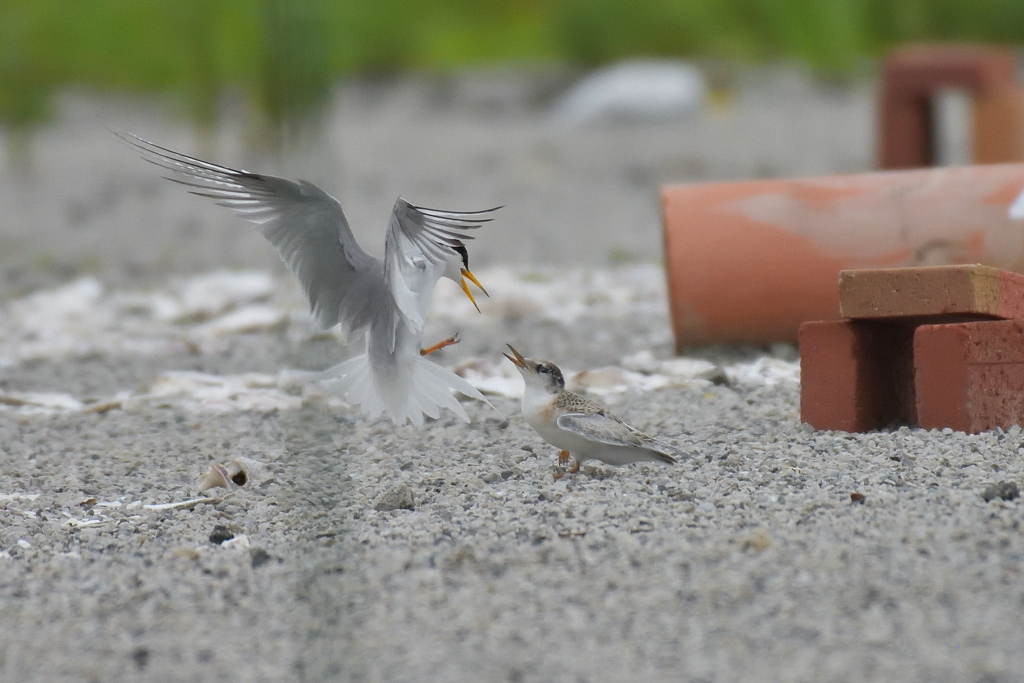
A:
x: 516, y: 358
x: 465, y: 288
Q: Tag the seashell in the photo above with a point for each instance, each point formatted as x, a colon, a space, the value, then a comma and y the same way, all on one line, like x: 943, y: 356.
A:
x: 217, y: 476
x: 232, y: 476
x: 239, y: 541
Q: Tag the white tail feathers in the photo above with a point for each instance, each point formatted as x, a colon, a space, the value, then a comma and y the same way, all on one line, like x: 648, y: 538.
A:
x: 423, y: 390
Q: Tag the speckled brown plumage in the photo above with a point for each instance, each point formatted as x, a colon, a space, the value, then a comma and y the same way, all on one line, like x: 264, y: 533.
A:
x: 579, y: 426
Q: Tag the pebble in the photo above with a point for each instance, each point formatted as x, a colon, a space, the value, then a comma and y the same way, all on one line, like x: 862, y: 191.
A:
x: 1004, y: 490
x: 398, y: 497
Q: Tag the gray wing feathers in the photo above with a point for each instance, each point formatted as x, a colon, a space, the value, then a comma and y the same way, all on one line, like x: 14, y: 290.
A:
x: 435, y: 232
x: 305, y: 224
x: 429, y: 238
x: 309, y: 231
x: 614, y: 432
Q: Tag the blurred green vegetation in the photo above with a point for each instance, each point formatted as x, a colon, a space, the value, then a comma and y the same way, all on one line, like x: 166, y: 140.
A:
x: 285, y: 54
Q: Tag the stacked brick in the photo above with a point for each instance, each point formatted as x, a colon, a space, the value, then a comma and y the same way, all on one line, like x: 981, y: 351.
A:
x: 912, y: 77
x: 936, y: 347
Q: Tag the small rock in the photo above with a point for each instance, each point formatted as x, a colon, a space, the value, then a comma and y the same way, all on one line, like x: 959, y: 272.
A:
x: 220, y: 534
x: 140, y: 656
x: 186, y: 553
x: 718, y: 377
x: 259, y: 557
x: 395, y: 498
x: 757, y: 542
x: 641, y: 526
x: 857, y: 497
x: 1006, y: 490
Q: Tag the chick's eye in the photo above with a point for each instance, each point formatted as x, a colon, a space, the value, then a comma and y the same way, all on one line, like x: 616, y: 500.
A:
x: 544, y: 369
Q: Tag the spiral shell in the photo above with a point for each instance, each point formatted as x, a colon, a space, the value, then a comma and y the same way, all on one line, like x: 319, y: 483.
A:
x: 232, y: 476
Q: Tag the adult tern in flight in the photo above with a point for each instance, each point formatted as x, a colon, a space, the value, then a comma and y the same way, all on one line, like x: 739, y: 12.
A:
x: 386, y: 300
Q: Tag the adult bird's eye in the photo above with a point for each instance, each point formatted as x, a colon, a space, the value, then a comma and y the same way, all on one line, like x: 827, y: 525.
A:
x: 544, y: 369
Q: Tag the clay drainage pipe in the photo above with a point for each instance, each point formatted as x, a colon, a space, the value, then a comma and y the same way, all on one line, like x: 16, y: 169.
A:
x: 748, y: 262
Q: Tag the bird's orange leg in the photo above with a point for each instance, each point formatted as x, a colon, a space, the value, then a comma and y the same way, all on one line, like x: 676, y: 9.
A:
x: 563, y: 458
x: 440, y: 345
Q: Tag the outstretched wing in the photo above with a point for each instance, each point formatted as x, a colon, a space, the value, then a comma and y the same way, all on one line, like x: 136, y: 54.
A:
x: 305, y: 224
x: 420, y: 246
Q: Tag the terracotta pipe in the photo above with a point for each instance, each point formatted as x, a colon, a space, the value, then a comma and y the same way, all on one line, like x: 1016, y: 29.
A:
x: 748, y: 262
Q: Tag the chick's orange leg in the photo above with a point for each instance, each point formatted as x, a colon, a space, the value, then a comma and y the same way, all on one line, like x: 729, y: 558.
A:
x: 563, y: 458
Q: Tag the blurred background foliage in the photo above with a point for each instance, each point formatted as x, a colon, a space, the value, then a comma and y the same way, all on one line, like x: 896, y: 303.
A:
x: 286, y: 54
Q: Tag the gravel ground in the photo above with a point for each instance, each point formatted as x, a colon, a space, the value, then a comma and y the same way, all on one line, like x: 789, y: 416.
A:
x: 773, y: 552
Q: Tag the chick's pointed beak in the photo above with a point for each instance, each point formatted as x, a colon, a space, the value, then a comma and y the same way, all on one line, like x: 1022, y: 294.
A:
x: 516, y: 358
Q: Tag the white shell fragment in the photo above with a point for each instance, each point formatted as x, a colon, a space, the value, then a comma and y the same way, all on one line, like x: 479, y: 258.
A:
x: 205, y: 296
x: 6, y: 497
x: 48, y: 402
x: 238, y: 542
x: 83, y: 318
x: 202, y: 392
x: 232, y: 476
x: 639, y: 372
x: 613, y: 380
x: 763, y: 372
x: 245, y: 320
x: 76, y: 523
x: 181, y: 504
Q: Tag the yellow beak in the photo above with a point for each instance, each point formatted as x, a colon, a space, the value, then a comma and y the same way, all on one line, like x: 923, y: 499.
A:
x: 465, y: 287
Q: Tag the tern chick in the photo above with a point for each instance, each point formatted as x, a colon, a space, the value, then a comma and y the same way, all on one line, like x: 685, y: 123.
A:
x: 579, y: 427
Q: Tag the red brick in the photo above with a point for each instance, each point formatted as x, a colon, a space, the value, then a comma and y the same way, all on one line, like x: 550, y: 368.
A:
x: 999, y: 125
x: 913, y: 75
x: 970, y: 376
x: 962, y: 291
x: 856, y: 375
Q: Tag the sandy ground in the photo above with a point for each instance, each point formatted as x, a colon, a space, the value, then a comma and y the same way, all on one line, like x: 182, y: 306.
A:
x: 772, y: 552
